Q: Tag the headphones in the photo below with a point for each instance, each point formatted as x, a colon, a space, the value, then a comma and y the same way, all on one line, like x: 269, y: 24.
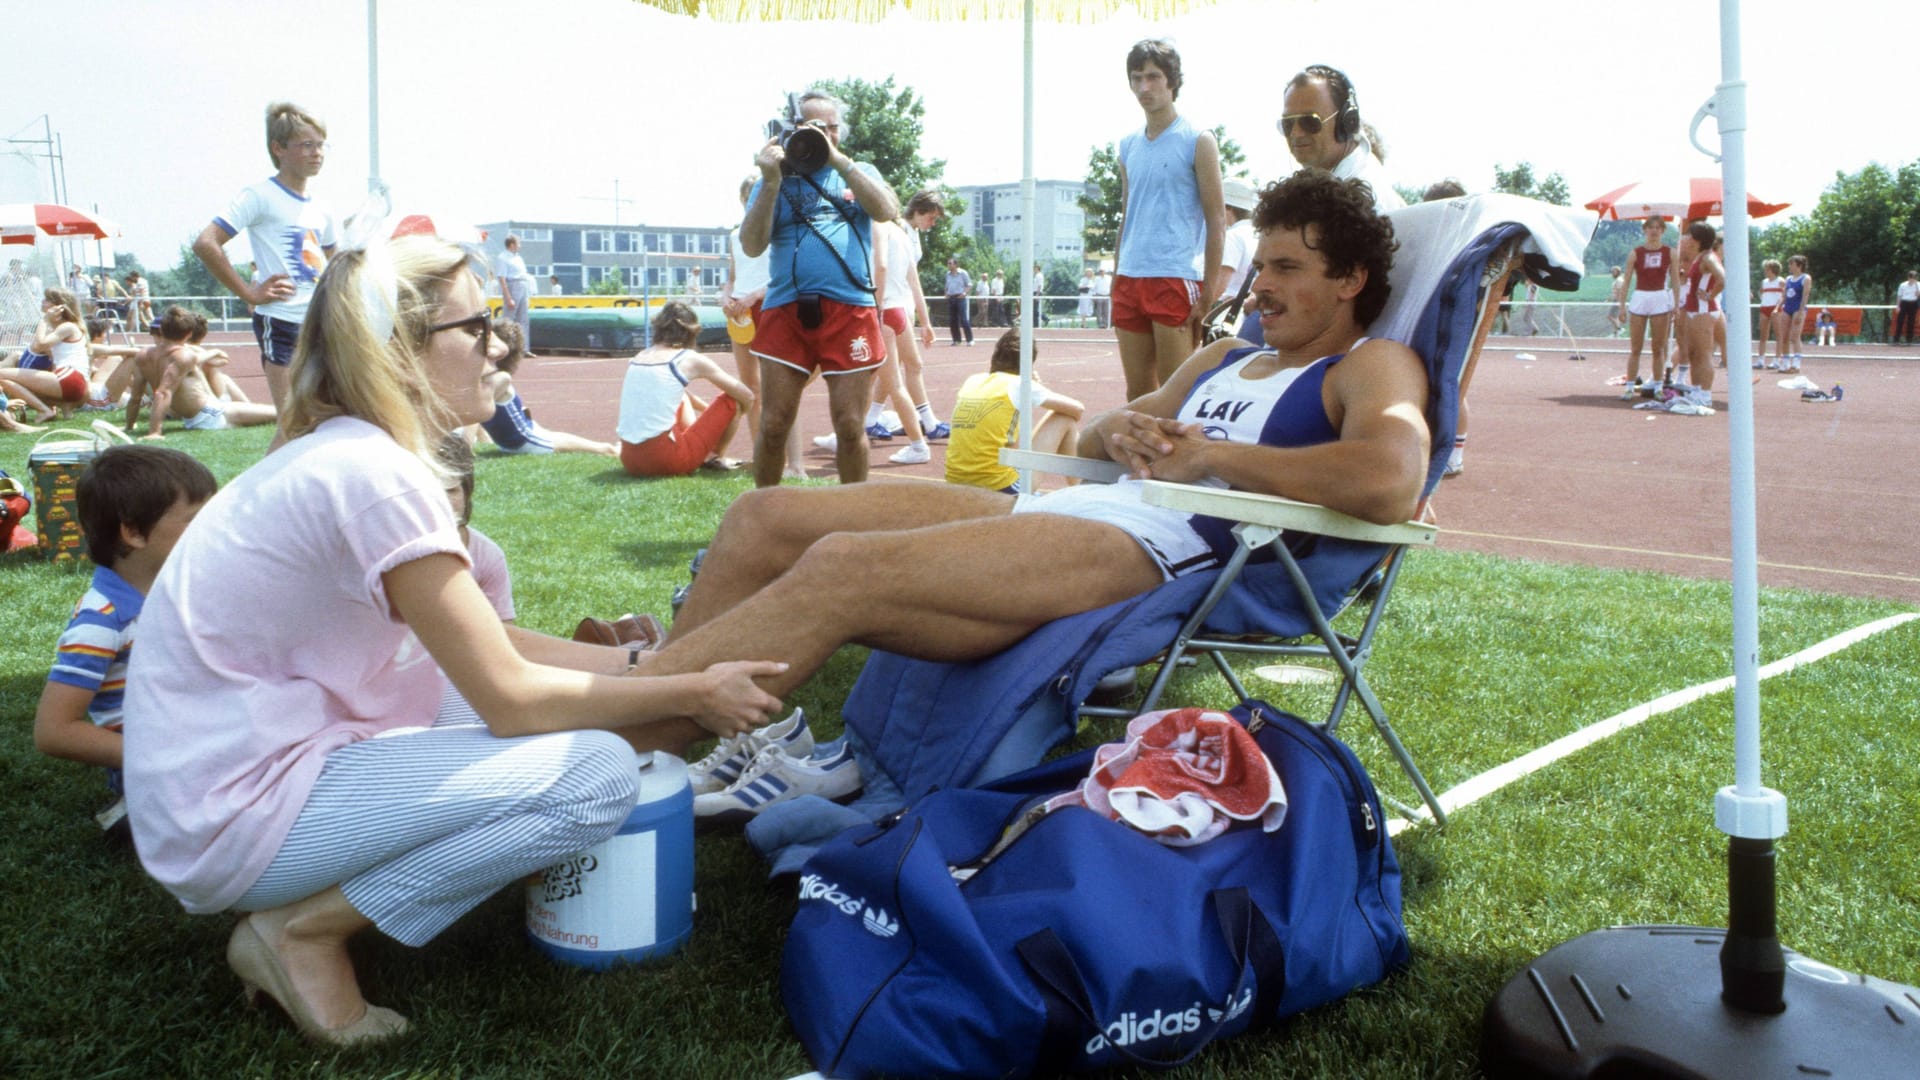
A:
x: 1346, y: 118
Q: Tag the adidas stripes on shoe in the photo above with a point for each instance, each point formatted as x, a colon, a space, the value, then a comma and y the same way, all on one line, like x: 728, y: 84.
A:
x: 775, y: 777
x: 729, y: 760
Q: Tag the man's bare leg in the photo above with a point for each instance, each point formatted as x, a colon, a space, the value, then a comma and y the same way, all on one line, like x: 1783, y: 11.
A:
x: 778, y: 406
x: 968, y: 599
x: 1171, y: 347
x: 847, y: 397
x: 1137, y: 362
x: 766, y: 531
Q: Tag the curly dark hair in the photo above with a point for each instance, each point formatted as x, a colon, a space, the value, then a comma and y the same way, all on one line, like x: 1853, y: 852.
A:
x: 1351, y: 234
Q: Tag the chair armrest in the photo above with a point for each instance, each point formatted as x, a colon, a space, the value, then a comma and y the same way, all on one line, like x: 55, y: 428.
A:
x: 1094, y: 469
x: 1279, y: 513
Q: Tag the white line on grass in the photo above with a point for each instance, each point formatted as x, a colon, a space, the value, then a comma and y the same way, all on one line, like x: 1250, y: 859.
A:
x: 1471, y: 791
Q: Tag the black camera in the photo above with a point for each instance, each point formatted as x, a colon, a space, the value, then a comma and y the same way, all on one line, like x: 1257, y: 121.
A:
x: 804, y: 141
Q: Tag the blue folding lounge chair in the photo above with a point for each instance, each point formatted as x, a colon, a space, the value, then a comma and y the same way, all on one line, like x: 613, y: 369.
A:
x: 928, y: 725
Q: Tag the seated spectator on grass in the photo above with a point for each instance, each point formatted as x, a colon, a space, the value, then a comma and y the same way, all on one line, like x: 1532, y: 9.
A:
x: 326, y: 588
x: 665, y: 429
x: 176, y: 372
x: 57, y: 370
x: 1319, y: 416
x: 512, y: 427
x: 134, y: 502
x: 986, y: 420
x: 107, y: 360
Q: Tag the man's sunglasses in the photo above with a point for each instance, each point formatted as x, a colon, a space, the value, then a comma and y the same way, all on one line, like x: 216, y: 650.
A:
x: 480, y: 325
x: 1309, y: 122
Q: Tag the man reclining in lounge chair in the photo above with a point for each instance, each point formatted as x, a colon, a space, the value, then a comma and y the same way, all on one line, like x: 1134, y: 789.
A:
x: 1323, y: 415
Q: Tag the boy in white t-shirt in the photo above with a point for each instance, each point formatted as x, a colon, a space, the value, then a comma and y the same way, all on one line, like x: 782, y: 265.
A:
x: 291, y: 237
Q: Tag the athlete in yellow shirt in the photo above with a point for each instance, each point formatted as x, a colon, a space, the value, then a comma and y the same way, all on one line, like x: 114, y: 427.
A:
x: 986, y: 418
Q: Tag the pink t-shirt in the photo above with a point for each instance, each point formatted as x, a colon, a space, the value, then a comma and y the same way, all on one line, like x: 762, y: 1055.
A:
x: 490, y: 570
x: 267, y: 642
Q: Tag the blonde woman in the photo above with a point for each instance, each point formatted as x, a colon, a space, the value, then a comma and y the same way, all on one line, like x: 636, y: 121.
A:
x: 301, y: 759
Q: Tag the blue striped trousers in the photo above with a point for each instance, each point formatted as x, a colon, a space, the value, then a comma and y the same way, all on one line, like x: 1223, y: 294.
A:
x: 418, y: 828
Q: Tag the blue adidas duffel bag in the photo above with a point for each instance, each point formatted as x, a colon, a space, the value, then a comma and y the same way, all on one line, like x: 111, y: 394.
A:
x: 933, y: 945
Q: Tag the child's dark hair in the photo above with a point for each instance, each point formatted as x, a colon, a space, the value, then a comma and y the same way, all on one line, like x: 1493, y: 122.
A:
x: 508, y: 332
x: 134, y: 486
x: 1006, y: 353
x: 200, y: 328
x: 676, y: 324
x: 457, y: 456
x: 176, y: 323
x: 97, y: 327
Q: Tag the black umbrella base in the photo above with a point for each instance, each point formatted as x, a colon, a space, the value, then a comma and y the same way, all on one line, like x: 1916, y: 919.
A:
x: 1636, y: 1001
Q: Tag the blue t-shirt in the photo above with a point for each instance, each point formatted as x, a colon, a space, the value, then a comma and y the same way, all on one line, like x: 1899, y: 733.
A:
x: 93, y: 650
x: 809, y: 259
x: 1165, y: 230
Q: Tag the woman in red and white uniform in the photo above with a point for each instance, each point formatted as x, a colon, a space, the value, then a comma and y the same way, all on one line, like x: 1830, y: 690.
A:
x: 1700, y: 300
x: 1654, y: 282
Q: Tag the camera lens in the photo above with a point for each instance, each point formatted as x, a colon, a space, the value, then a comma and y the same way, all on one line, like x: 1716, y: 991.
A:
x: 806, y: 150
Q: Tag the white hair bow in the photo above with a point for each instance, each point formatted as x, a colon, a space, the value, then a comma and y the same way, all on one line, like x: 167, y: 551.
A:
x: 366, y: 232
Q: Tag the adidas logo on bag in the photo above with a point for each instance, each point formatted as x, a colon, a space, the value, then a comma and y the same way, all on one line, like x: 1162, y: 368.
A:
x: 878, y: 924
x: 1134, y: 1028
x: 813, y: 888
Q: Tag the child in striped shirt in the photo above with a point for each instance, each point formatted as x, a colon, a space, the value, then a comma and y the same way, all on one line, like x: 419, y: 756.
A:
x: 134, y: 502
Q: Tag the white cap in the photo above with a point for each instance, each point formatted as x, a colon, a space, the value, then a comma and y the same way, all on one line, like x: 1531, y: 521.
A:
x: 1238, y: 193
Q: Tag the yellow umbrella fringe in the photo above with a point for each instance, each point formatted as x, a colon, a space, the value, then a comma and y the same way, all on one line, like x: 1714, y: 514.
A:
x: 950, y: 10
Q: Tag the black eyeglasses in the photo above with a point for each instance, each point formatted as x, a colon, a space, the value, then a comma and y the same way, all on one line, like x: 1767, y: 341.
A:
x: 1310, y: 122
x: 479, y: 324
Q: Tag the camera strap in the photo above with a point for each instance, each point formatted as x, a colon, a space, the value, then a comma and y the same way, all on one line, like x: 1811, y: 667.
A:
x: 859, y: 281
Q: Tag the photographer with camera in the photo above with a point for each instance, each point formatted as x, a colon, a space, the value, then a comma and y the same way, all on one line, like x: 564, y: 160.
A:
x: 813, y: 210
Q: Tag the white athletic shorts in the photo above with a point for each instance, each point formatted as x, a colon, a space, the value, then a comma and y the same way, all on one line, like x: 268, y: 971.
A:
x: 1167, y: 536
x: 1650, y: 302
x: 211, y: 418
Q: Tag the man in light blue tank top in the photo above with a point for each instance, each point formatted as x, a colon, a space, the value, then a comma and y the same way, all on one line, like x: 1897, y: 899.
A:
x: 1172, y: 225
x: 950, y: 572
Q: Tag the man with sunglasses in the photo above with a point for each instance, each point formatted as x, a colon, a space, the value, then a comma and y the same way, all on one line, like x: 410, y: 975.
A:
x: 1172, y: 225
x: 1320, y: 120
x: 819, y: 312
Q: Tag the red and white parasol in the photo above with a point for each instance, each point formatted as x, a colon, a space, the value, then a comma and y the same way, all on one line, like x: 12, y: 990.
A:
x: 1685, y: 200
x: 23, y: 223
x: 445, y: 229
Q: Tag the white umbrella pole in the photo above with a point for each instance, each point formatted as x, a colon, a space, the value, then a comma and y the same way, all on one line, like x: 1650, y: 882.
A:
x: 1747, y: 809
x: 373, y: 95
x: 1024, y: 272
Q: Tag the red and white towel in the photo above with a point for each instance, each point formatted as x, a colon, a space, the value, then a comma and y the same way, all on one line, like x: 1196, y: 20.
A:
x: 1182, y: 776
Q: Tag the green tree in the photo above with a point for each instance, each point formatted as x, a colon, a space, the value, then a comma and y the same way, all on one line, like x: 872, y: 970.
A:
x: 1861, y: 239
x: 1520, y: 180
x: 1233, y: 160
x: 1100, y: 202
x: 883, y: 127
x: 188, y: 277
x: 611, y: 285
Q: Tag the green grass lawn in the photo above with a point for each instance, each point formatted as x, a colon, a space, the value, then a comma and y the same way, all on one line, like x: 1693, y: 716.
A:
x: 1480, y: 660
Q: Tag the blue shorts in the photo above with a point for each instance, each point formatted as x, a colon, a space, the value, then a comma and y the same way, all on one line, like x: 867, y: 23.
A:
x: 33, y: 361
x: 276, y: 338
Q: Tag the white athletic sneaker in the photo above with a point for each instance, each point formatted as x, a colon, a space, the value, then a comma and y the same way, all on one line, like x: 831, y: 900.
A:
x: 829, y: 441
x: 728, y: 761
x: 912, y: 454
x: 774, y: 777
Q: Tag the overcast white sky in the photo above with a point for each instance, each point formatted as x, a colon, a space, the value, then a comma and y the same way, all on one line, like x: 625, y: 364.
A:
x: 491, y: 109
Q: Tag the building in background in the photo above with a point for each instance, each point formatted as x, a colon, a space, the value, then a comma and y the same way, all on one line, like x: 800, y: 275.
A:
x: 994, y: 213
x: 658, y: 259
